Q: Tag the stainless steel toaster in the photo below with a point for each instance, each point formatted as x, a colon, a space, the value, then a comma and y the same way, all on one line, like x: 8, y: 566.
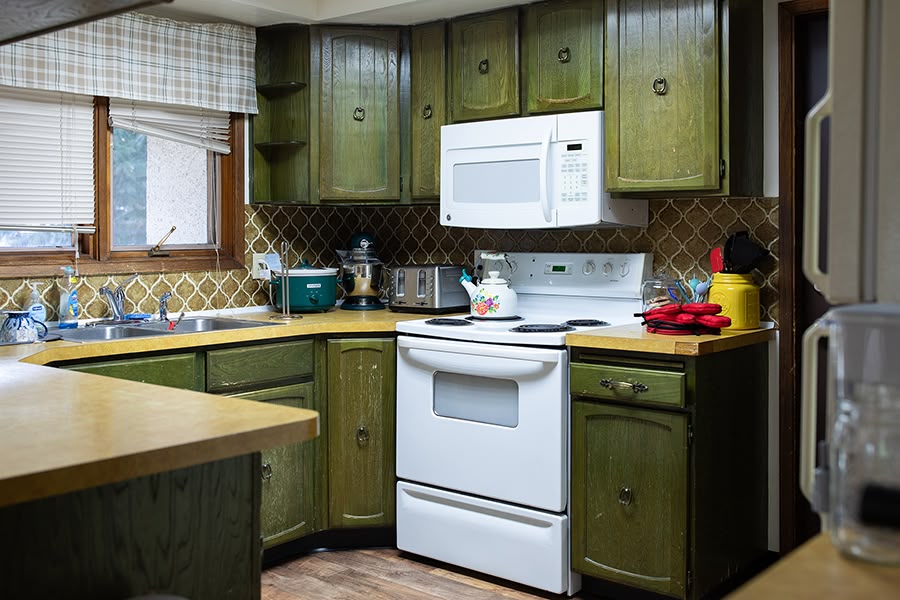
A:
x: 427, y: 289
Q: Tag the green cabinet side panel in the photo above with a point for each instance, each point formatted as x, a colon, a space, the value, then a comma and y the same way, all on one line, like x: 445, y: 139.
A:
x: 662, y: 95
x: 629, y: 496
x: 484, y: 66
x: 291, y: 475
x: 242, y: 367
x: 359, y: 120
x: 428, y: 72
x: 184, y: 371
x: 361, y: 459
x: 562, y: 46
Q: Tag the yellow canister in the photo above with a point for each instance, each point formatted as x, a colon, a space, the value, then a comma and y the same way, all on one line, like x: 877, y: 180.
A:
x: 739, y: 298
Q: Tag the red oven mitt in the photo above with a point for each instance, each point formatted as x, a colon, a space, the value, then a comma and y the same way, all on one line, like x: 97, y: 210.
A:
x: 702, y: 308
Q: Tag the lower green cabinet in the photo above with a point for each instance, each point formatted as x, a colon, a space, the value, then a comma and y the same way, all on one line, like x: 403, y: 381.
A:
x: 183, y: 371
x: 291, y: 475
x: 361, y: 401
x: 629, y: 495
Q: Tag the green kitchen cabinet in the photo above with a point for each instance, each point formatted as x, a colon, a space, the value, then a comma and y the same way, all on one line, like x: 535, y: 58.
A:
x: 358, y: 114
x: 258, y: 366
x: 484, y: 66
x: 292, y: 476
x: 669, y: 468
x: 281, y: 128
x: 184, y: 371
x: 428, y: 111
x: 683, y: 96
x: 562, y: 55
x: 361, y: 401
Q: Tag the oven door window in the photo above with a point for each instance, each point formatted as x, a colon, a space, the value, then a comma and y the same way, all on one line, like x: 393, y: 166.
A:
x: 477, y: 399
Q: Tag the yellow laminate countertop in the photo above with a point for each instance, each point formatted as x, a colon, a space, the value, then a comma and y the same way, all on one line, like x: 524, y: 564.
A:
x: 63, y: 431
x: 817, y: 571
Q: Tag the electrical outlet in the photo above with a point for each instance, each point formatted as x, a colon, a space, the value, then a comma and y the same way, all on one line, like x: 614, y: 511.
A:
x: 259, y: 262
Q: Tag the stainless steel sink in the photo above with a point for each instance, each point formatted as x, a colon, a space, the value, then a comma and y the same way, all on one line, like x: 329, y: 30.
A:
x: 199, y: 324
x: 99, y: 334
x: 120, y: 331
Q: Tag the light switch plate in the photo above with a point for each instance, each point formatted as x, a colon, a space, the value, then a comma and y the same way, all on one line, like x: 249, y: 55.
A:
x: 259, y: 265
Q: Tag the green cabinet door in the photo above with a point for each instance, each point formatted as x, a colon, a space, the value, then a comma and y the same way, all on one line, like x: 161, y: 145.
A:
x: 361, y: 401
x: 281, y: 128
x: 184, y: 371
x: 359, y: 118
x: 292, y: 475
x: 428, y: 72
x: 662, y: 95
x: 562, y: 55
x: 629, y: 496
x: 484, y: 66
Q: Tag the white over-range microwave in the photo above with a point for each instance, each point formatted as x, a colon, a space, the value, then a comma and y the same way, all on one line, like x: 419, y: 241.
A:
x: 530, y: 173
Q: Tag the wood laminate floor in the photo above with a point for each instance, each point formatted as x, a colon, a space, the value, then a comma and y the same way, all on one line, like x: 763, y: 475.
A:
x: 384, y: 574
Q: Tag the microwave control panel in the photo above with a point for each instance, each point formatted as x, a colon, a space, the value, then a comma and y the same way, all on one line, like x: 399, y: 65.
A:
x: 574, y: 166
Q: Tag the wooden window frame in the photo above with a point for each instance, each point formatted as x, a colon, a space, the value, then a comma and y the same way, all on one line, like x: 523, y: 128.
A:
x: 96, y: 256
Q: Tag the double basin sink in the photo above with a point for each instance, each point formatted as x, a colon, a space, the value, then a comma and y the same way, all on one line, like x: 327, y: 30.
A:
x: 120, y: 331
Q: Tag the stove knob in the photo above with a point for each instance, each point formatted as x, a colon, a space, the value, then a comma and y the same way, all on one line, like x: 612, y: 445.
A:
x: 607, y: 268
x: 626, y: 269
x: 588, y: 267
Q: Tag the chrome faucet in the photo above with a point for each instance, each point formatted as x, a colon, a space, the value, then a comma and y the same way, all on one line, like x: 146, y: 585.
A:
x: 116, y: 298
x: 164, y: 306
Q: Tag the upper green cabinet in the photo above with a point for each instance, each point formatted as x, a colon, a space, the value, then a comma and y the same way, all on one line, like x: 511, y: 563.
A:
x: 562, y: 55
x: 428, y: 103
x: 359, y: 114
x: 281, y: 128
x: 484, y: 66
x: 361, y: 401
x: 683, y: 96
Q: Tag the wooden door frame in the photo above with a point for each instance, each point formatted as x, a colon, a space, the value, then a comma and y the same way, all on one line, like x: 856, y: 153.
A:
x: 790, y: 190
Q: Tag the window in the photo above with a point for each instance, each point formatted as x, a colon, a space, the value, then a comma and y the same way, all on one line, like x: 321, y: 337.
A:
x: 146, y: 181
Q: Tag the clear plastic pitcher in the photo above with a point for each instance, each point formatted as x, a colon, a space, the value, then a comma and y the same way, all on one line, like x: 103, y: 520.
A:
x: 856, y: 487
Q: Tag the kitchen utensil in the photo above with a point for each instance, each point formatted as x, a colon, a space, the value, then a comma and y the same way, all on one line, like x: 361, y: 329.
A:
x: 862, y: 425
x: 693, y: 283
x: 361, y: 274
x: 492, y: 298
x: 310, y: 289
x: 746, y: 254
x: 700, y: 292
x: 716, y: 261
x: 427, y: 289
x: 174, y: 324
x: 19, y: 326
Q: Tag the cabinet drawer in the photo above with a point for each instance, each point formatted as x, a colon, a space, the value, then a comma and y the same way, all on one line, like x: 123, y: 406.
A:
x: 609, y: 382
x: 184, y: 371
x: 252, y: 366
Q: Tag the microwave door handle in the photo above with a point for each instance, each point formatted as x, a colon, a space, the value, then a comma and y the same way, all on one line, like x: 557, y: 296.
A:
x: 545, y: 180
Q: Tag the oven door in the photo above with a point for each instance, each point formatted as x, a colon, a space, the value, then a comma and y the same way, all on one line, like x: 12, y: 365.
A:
x: 484, y: 419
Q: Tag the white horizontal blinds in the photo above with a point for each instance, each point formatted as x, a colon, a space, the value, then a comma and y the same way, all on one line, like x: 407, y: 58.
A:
x: 185, y: 124
x: 46, y: 158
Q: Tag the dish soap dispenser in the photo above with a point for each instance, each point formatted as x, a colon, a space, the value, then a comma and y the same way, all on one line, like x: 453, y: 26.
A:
x: 36, y: 308
x: 68, y: 300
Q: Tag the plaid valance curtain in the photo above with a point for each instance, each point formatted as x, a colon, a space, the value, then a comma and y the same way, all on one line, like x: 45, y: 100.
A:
x: 139, y: 57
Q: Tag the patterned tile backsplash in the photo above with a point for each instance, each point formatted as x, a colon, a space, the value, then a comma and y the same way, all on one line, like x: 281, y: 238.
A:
x: 680, y: 235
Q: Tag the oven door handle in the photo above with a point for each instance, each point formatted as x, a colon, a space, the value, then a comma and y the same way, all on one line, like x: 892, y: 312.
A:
x: 481, y: 360
x: 481, y: 350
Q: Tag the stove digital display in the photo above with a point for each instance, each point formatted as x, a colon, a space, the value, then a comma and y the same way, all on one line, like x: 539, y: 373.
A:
x: 557, y: 268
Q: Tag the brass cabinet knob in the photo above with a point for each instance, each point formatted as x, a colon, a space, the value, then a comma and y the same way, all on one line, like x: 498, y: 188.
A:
x: 359, y: 113
x: 426, y: 111
x: 362, y: 435
x: 267, y: 471
x: 483, y: 66
x: 563, y: 55
x: 625, y: 496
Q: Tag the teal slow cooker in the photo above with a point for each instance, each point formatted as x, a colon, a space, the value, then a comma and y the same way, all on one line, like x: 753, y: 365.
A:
x: 309, y: 288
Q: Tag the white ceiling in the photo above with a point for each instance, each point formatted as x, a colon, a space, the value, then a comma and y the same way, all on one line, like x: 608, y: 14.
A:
x: 369, y: 12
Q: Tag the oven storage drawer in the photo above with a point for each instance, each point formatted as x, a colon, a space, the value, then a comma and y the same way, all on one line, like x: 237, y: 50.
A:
x: 613, y: 382
x: 512, y: 542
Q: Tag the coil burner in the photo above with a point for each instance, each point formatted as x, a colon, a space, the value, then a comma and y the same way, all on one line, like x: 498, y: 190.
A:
x: 586, y: 323
x: 446, y: 322
x: 542, y: 328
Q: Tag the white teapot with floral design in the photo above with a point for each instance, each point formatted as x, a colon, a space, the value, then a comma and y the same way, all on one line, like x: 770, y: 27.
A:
x: 492, y: 298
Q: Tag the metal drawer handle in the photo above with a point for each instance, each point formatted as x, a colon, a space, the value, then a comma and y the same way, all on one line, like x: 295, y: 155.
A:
x: 563, y: 55
x: 636, y: 387
x: 362, y: 435
x: 359, y: 113
x: 659, y: 86
x: 267, y: 471
x: 483, y: 66
x: 426, y: 112
x: 625, y: 496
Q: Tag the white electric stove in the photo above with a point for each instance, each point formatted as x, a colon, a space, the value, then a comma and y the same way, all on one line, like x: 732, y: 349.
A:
x: 483, y: 418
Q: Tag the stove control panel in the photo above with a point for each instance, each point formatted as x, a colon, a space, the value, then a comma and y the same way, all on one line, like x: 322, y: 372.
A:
x: 576, y: 274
